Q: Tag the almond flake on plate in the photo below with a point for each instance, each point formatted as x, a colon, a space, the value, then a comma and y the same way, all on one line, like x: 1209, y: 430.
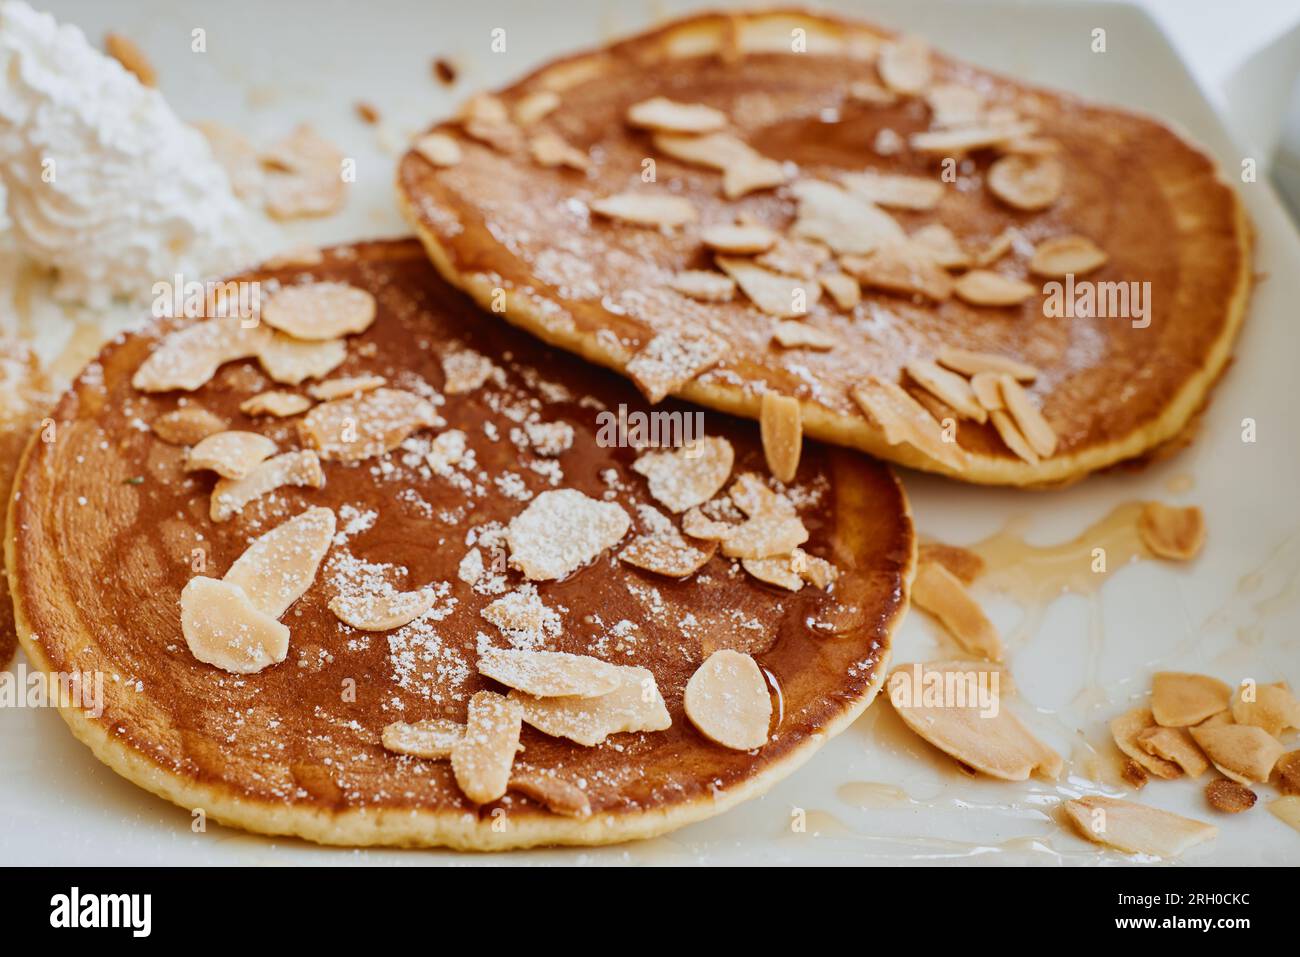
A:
x: 1180, y: 699
x: 1027, y: 182
x: 346, y: 386
x: 901, y: 267
x: 846, y: 223
x: 781, y: 427
x: 1240, y: 751
x: 903, y: 420
x: 551, y: 150
x: 957, y: 142
x: 661, y: 113
x: 667, y: 552
x: 741, y: 240
x: 290, y: 361
x: 1288, y: 773
x: 440, y: 149
x: 554, y: 793
x: 904, y: 65
x: 523, y: 617
x: 948, y: 387
x: 562, y: 530
x: 223, y: 628
x: 764, y: 535
x: 484, y: 117
x: 432, y: 738
x: 703, y: 285
x: 230, y: 454
x: 728, y: 701
x: 671, y: 359
x: 794, y: 257
x: 187, y: 425
x: 894, y: 191
x: 366, y: 425
x: 187, y: 358
x: 743, y: 169
x: 1066, y: 255
x: 998, y: 246
x: 843, y: 289
x: 1012, y: 437
x: 688, y: 476
x: 465, y: 370
x: 698, y: 525
x: 481, y: 760
x: 941, y: 245
x: 799, y: 335
x: 1229, y: 796
x: 303, y: 176
x: 1274, y: 709
x: 382, y: 610
x: 777, y: 571
x: 280, y: 565
x: 987, y: 389
x: 1176, y: 745
x: 982, y: 287
x: 873, y: 94
x: 321, y: 310
x: 962, y: 562
x: 942, y: 594
x: 296, y: 257
x: 774, y: 294
x: 1136, y: 828
x: 1170, y: 532
x: 535, y: 107
x: 751, y: 495
x: 446, y: 450
x: 952, y: 104
x: 550, y: 674
x: 646, y: 209
x: 636, y: 705
x: 971, y: 363
x: 1127, y: 730
x: 1036, y: 430
x: 229, y: 496
x: 275, y: 403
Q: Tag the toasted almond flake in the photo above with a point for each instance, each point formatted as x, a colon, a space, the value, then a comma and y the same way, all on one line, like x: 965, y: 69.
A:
x: 471, y: 567
x: 895, y: 191
x: 382, y: 611
x: 346, y: 386
x: 971, y: 363
x: 743, y: 169
x: 1229, y: 796
x: 728, y: 701
x: 1027, y: 182
x: 942, y: 246
x: 1241, y: 752
x: 187, y: 358
x: 229, y: 496
x: 814, y: 570
x: 687, y: 476
x: 666, y: 552
x: 661, y: 113
x: 904, y: 65
x: 961, y: 562
x: 302, y: 176
x: 742, y: 240
x: 698, y: 525
x: 484, y: 118
x: 1136, y: 828
x: 987, y: 388
x: 232, y: 454
x: 551, y: 149
x: 781, y: 426
x: 1012, y: 437
x: 432, y: 738
x: 843, y: 289
x: 365, y: 425
x: 223, y: 628
x: 562, y: 530
x: 1180, y: 699
x: 958, y: 142
x: 124, y: 50
x: 1176, y: 745
x: 483, y: 108
x: 1170, y: 532
x: 635, y: 706
x: 777, y: 571
x: 1066, y: 255
x: 554, y: 793
x: 465, y: 370
x: 953, y: 104
x: 236, y: 154
x: 1217, y: 720
x: 549, y: 439
x: 321, y: 310
x: 279, y: 566
x: 671, y: 359
x: 753, y: 174
x: 1127, y: 729
x: 799, y: 335
x: 981, y: 287
x: 278, y: 404
x: 440, y: 149
x: 948, y: 387
x: 992, y: 741
x: 187, y: 425
x: 1274, y: 709
x: 774, y: 294
x: 290, y: 361
x: 901, y: 267
x: 704, y: 285
x: 751, y: 495
x: 1288, y: 772
x: 998, y: 246
x: 942, y: 594
x: 535, y: 107
x: 481, y: 760
x: 873, y: 94
x: 296, y: 257
x: 1036, y: 430
x: 446, y: 450
x: 523, y: 617
x: 550, y: 674
x: 903, y: 420
x: 659, y: 210
x: 1133, y: 774
x: 846, y: 223
x: 764, y: 535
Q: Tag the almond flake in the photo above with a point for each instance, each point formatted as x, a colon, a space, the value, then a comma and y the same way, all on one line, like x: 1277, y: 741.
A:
x: 1036, y: 430
x: 123, y: 49
x: 698, y: 525
x: 1011, y: 435
x: 901, y: 267
x: 290, y: 361
x: 382, y: 611
x: 1127, y: 730
x: 774, y: 294
x: 755, y: 173
x: 781, y: 426
x: 981, y: 287
x: 188, y: 425
x: 279, y: 566
x: 550, y: 150
x: 562, y: 530
x: 440, y: 149
x: 534, y: 107
x: 998, y: 246
x: 743, y: 169
x: 962, y: 562
x: 483, y: 117
x: 322, y: 310
x: 844, y: 222
x: 661, y: 113
x: 873, y: 94
x: 1180, y: 699
x: 703, y: 285
x: 903, y: 420
x: 646, y: 209
x: 816, y: 571
x: 737, y: 239
x: 549, y: 439
x: 904, y: 65
x: 278, y: 404
x: 231, y: 454
x: 958, y: 142
x: 671, y: 359
x: 366, y: 425
x: 971, y: 363
x: 952, y: 104
x: 666, y: 552
x: 949, y: 388
x: 229, y: 496
x: 777, y: 571
x: 799, y: 335
x: 1229, y: 796
x: 523, y: 617
x: 1241, y: 752
x: 555, y: 794
x: 1066, y: 255
x: 795, y: 257
x: 347, y: 386
x: 987, y: 388
x: 465, y: 370
x: 941, y: 245
x: 894, y: 191
x: 1288, y: 772
x: 635, y: 706
x: 433, y: 738
x: 843, y: 289
x: 751, y: 495
x: 446, y: 450
x: 942, y: 594
x: 550, y: 674
x: 995, y: 743
x: 764, y: 535
x: 687, y: 476
x: 481, y: 760
x: 223, y: 628
x: 471, y: 568
x: 187, y: 358
x: 1176, y: 745
x: 303, y: 176
x: 1174, y: 533
x: 1274, y: 709
x: 728, y: 701
x: 296, y: 257
x: 1136, y: 828
x: 1027, y: 182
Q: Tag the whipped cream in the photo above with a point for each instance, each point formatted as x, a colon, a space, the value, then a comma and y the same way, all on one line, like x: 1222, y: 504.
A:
x: 104, y: 182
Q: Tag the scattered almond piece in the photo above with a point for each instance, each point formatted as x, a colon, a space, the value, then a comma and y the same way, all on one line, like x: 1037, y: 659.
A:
x: 550, y: 674
x: 958, y: 142
x: 1066, y: 255
x: 446, y: 450
x: 939, y: 243
x: 432, y: 738
x: 1286, y: 810
x: 848, y: 224
x: 303, y: 176
x: 1176, y: 745
x: 659, y: 210
x: 773, y: 293
x: 1012, y: 437
x: 1036, y: 430
x: 743, y: 169
x: 987, y: 389
x: 223, y: 628
x: 1027, y: 181
x: 795, y: 257
x: 230, y: 454
x: 764, y: 535
x: 661, y: 113
x: 1127, y: 729
x: 843, y: 289
x: 124, y: 50
x: 366, y: 425
x: 781, y: 426
x: 698, y: 525
x: 751, y: 495
x: 1180, y: 699
x: 688, y: 476
x: 551, y: 150
x: 440, y: 149
x: 187, y: 358
x: 1229, y: 796
x: 465, y: 370
x: 998, y: 246
x: 703, y: 285
x: 901, y: 267
x: 942, y: 594
x: 1133, y: 774
x: 671, y: 359
x: 1241, y: 752
x: 728, y: 701
x: 948, y: 387
x: 1288, y: 772
x: 903, y: 420
x: 789, y: 334
x: 290, y: 361
x: 737, y: 239
x: 1170, y: 532
x: 635, y: 706
x: 904, y: 65
x: 954, y: 105
x: 481, y: 760
x: 229, y: 496
x: 980, y: 287
x: 535, y: 107
x: 278, y: 404
x: 187, y: 425
x: 1274, y: 709
x: 483, y: 117
x: 562, y: 530
x: 894, y: 191
x: 280, y: 565
x: 873, y: 94
x: 554, y: 793
x: 814, y: 570
x: 972, y: 363
x: 1136, y: 828
x: 666, y: 552
x: 347, y: 386
x: 383, y: 610
x: 321, y: 310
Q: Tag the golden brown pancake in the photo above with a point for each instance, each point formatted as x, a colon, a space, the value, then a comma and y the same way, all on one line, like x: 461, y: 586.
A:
x: 527, y: 238
x: 102, y: 537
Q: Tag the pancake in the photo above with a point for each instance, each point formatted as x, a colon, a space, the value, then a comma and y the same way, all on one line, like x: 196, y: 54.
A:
x: 543, y: 199
x: 110, y: 537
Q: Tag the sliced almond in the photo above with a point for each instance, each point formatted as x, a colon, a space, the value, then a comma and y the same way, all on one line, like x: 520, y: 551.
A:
x: 751, y: 495
x: 665, y: 552
x: 1229, y: 796
x: 279, y: 566
x: 552, y: 792
x: 903, y: 420
x: 1136, y: 828
x: 1132, y: 774
x: 958, y: 142
x: 795, y: 257
x: 1036, y: 430
x: 941, y: 246
x: 698, y: 525
x: 703, y: 285
x: 743, y: 169
x: 189, y: 357
x: 687, y: 476
x: 383, y: 610
x: 1176, y: 745
x: 904, y: 65
x: 551, y: 150
x: 987, y: 389
x: 942, y: 594
x: 1241, y: 752
x: 873, y: 94
x: 814, y: 570
x: 751, y: 175
x: 523, y: 617
x: 799, y: 335
x: 1180, y: 699
x: 231, y: 454
x: 998, y: 246
x: 229, y: 496
x: 738, y: 239
x: 779, y: 571
x: 843, y: 289
x: 661, y: 113
x: 961, y: 562
x: 764, y: 535
x: 980, y: 287
x: 774, y: 294
x: 187, y: 425
x: 223, y: 628
x: 728, y: 701
x: 278, y: 404
x: 535, y: 107
x: 290, y: 361
x: 465, y: 370
x: 303, y: 177
x: 481, y: 760
x: 781, y: 426
x: 1288, y: 772
x: 659, y: 210
x: 433, y: 738
x: 972, y: 363
x: 846, y: 223
x: 440, y: 149
x: 1011, y: 435
x: 953, y: 104
x: 1027, y: 181
x: 949, y: 388
x: 562, y: 530
x: 895, y: 191
x: 671, y: 359
x: 321, y: 310
x: 635, y: 706
x: 296, y: 257
x: 1170, y: 532
x: 550, y: 674
x: 484, y: 117
x: 549, y: 439
x: 446, y: 451
x: 1127, y: 730
x: 346, y: 386
x: 366, y: 425
x: 1066, y: 255
x: 1274, y: 709
x: 901, y: 267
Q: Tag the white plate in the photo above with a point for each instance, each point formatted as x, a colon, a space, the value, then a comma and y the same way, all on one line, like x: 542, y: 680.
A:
x: 1235, y: 612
